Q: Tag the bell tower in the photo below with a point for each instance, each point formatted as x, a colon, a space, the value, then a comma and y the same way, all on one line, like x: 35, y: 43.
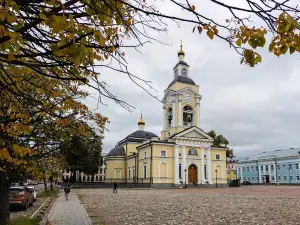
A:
x: 181, y: 102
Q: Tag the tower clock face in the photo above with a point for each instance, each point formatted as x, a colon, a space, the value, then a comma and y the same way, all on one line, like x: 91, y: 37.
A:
x: 188, y: 96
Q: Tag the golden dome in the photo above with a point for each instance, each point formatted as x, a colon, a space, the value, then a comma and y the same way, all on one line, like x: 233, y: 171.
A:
x: 181, y: 52
x: 141, y: 120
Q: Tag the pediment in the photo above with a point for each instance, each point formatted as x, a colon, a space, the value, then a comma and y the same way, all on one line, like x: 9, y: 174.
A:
x: 194, y: 133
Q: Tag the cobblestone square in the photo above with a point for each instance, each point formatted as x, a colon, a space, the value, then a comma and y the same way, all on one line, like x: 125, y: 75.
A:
x: 244, y: 205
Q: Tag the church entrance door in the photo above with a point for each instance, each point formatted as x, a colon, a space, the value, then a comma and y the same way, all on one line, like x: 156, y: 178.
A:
x: 193, y: 175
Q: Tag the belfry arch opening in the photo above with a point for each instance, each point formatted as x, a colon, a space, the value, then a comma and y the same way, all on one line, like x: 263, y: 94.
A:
x: 170, y: 116
x: 188, y: 116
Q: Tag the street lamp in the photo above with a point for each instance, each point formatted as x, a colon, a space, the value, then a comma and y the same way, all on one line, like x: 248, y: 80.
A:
x: 185, y: 179
x: 216, y: 179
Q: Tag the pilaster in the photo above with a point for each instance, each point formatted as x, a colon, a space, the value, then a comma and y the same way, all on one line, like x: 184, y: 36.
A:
x: 179, y: 110
x: 202, y: 167
x: 184, y: 171
x: 208, y: 150
x: 176, y: 165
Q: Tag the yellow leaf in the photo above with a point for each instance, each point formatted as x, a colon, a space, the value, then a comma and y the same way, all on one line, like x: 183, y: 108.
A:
x: 11, y: 57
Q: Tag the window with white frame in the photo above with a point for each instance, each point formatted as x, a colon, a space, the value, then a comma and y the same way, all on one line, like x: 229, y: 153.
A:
x: 297, y: 166
x: 248, y: 178
x: 163, y: 153
x: 252, y: 169
x: 272, y: 177
x: 278, y: 178
x: 261, y: 168
x: 290, y: 166
x: 256, y: 178
x: 272, y: 167
x: 129, y: 174
x: 247, y: 168
x: 297, y: 177
x: 217, y: 157
x: 145, y: 155
x: 145, y: 171
x: 252, y: 178
x: 243, y: 169
x: 278, y: 167
x: 267, y: 168
x: 291, y: 177
x: 284, y: 177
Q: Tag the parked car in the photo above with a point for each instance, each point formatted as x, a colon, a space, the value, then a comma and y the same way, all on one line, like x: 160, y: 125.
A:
x: 33, y: 191
x: 15, y: 184
x: 246, y: 182
x: 21, y: 197
x: 41, y: 182
x: 33, y: 183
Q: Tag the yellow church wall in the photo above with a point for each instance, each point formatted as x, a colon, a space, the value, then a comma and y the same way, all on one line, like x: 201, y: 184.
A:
x: 131, y: 148
x: 131, y: 169
x: 144, y: 160
x: 178, y: 86
x: 115, y: 170
x: 219, y: 165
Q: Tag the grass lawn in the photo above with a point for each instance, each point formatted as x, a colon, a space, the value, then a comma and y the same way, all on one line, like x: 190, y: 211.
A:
x: 25, y: 221
x: 49, y: 193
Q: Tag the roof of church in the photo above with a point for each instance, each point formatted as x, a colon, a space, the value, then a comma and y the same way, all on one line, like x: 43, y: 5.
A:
x: 182, y: 79
x: 275, y: 153
x: 181, y: 63
x: 117, y: 151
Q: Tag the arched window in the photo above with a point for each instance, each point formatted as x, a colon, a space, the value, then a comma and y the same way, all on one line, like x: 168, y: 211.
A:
x: 176, y: 73
x: 163, y: 171
x: 184, y: 72
x: 187, y: 116
x: 192, y: 151
x: 170, y: 117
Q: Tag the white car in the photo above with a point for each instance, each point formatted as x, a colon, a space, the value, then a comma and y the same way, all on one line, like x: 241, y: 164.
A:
x: 33, y: 192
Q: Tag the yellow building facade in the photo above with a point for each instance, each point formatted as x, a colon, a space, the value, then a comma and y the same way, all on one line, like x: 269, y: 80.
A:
x: 184, y: 154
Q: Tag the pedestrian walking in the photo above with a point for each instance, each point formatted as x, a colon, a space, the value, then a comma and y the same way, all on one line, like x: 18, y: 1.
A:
x: 115, y: 187
x: 67, y: 190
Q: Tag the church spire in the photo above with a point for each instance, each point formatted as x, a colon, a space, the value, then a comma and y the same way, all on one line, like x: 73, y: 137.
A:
x: 181, y: 53
x: 141, y: 123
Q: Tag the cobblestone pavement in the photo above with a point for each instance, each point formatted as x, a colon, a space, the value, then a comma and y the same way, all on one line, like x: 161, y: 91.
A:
x: 69, y: 212
x: 17, y: 212
x: 244, y: 205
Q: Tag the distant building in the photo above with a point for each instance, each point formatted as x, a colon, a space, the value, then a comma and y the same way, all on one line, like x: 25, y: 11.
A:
x: 231, y: 170
x: 98, y: 177
x: 280, y: 166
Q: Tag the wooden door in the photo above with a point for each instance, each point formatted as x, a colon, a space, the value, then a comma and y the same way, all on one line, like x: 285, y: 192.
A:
x: 193, y: 176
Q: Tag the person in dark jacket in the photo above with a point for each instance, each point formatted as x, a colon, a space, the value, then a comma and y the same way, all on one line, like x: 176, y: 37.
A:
x: 115, y: 187
x: 67, y: 190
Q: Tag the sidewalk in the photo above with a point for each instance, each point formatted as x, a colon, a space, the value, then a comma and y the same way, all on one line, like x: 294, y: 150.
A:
x: 70, y: 212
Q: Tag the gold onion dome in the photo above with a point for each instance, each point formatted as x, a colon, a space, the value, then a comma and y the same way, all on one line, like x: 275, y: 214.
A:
x: 141, y: 120
x: 181, y: 52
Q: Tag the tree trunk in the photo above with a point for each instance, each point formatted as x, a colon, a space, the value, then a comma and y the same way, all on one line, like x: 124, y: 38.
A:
x: 93, y: 177
x: 51, y: 183
x: 45, y: 182
x: 4, y: 199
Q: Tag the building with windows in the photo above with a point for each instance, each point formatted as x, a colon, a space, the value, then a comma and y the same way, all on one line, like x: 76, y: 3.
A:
x: 280, y: 166
x: 82, y: 177
x: 231, y: 170
x: 183, y: 154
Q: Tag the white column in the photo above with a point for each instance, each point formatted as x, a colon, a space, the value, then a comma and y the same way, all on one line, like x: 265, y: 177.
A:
x: 208, y: 165
x: 183, y: 166
x: 164, y: 118
x: 202, y: 166
x: 173, y: 112
x: 198, y: 113
x: 179, y: 111
x: 176, y: 165
x: 242, y: 178
x: 270, y: 173
x: 259, y: 172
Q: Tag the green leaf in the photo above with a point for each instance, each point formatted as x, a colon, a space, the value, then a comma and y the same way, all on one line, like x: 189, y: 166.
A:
x: 271, y: 46
x: 239, y: 42
x: 43, y: 16
x: 283, y: 49
x: 292, y: 49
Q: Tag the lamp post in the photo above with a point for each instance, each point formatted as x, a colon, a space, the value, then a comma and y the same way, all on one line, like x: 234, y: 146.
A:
x: 185, y: 178
x: 216, y: 179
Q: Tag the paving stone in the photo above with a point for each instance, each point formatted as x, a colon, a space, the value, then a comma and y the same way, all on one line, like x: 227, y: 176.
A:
x: 245, y: 205
x: 70, y: 212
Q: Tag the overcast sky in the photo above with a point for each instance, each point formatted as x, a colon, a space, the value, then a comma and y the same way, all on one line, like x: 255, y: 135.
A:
x: 256, y: 109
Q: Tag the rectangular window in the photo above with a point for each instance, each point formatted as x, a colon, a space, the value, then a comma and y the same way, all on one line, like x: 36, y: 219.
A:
x: 297, y: 166
x: 218, y: 157
x: 244, y: 178
x: 96, y: 178
x: 278, y: 178
x: 205, y: 172
x: 247, y: 169
x: 100, y: 178
x: 243, y: 169
x: 145, y: 171
x: 267, y: 168
x: 291, y: 177
x: 180, y: 171
x: 261, y: 168
x: 256, y: 178
x: 128, y: 174
x: 297, y: 177
x: 100, y: 170
x: 284, y: 177
x: 272, y: 177
x: 252, y: 178
x: 290, y: 166
x: 272, y: 167
x: 145, y: 155
x: 256, y: 168
x: 248, y: 178
x: 252, y: 169
x: 283, y: 166
x: 239, y: 169
x: 278, y: 167
x: 163, y: 153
